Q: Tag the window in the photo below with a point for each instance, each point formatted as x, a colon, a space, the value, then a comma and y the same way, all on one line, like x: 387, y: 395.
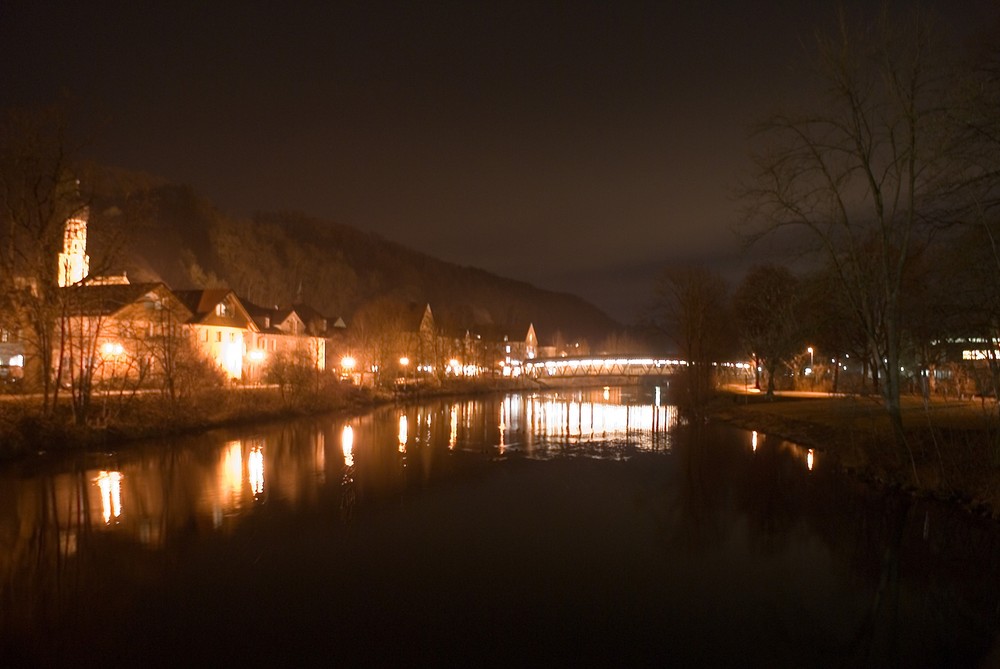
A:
x: 218, y: 335
x: 222, y: 309
x: 204, y: 336
x: 232, y: 336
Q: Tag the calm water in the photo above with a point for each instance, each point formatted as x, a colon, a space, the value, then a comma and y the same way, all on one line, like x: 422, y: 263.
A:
x: 584, y: 527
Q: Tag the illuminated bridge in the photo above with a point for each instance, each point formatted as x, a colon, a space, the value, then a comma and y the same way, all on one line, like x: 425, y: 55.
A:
x: 590, y: 366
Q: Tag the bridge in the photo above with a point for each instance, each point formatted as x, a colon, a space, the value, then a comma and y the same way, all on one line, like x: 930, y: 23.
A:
x: 612, y: 365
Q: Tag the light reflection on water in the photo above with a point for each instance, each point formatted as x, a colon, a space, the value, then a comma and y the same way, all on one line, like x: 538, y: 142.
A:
x: 746, y: 489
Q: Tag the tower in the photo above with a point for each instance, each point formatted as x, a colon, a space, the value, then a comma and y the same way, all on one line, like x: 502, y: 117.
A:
x: 74, y: 263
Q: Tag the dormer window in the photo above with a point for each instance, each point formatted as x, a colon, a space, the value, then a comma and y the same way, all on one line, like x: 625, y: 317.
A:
x: 223, y: 309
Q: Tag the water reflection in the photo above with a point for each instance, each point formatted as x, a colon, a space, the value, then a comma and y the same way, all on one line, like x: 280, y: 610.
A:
x: 255, y: 470
x: 111, y: 494
x: 347, y: 445
x: 403, y: 436
x: 771, y: 515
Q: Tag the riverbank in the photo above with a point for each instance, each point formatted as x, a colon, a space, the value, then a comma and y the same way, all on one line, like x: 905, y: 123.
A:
x: 118, y: 420
x: 954, y: 444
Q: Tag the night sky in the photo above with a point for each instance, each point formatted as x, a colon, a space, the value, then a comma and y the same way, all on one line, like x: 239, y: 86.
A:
x: 578, y: 146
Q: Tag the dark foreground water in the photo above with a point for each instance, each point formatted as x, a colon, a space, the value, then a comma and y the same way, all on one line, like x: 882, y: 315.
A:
x: 582, y: 528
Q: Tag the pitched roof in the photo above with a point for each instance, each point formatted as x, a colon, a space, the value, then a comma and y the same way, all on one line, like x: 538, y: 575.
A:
x: 106, y: 299
x: 202, y: 305
x: 202, y: 301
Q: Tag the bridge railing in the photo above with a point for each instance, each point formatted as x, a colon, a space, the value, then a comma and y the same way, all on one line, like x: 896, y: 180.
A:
x: 602, y: 366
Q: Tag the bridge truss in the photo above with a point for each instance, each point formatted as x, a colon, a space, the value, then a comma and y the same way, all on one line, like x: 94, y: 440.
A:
x: 598, y: 366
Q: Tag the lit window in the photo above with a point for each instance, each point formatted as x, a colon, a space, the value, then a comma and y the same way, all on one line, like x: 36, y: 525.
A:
x: 218, y: 335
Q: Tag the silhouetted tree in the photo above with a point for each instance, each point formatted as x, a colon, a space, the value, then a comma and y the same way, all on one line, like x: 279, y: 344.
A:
x: 859, y: 175
x: 765, y: 305
x: 691, y: 307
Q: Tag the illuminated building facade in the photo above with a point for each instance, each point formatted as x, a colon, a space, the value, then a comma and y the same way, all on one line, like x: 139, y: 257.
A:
x: 221, y: 327
x: 74, y: 263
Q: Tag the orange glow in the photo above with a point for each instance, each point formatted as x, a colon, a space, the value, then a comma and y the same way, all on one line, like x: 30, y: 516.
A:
x: 503, y: 426
x: 753, y: 441
x: 809, y: 459
x: 255, y: 470
x: 453, y: 436
x: 347, y: 444
x: 231, y: 474
x: 402, y: 433
x: 110, y: 484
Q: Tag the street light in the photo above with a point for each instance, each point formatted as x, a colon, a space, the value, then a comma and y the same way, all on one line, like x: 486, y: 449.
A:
x: 810, y: 351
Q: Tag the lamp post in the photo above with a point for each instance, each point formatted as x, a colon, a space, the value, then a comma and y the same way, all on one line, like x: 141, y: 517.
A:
x: 810, y: 351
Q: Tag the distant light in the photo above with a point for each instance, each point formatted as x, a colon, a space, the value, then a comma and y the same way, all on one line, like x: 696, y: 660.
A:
x: 404, y: 361
x: 256, y: 355
x: 17, y: 361
x: 347, y: 362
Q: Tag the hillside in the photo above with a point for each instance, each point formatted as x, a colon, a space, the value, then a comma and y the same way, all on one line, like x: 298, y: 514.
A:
x: 167, y: 232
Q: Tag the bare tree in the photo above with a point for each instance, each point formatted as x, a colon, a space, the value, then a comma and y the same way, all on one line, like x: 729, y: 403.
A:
x: 860, y: 175
x: 38, y: 192
x: 691, y: 308
x: 765, y: 306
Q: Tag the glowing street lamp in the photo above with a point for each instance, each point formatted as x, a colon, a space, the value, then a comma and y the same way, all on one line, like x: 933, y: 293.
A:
x: 347, y: 363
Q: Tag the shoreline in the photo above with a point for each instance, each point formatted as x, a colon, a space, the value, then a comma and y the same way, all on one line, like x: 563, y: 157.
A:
x: 954, y: 444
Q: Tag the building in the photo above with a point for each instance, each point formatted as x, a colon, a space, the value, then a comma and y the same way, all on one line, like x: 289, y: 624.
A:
x: 223, y: 329
x: 294, y: 334
x: 128, y: 332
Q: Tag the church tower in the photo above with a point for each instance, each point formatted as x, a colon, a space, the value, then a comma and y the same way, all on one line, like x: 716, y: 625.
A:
x: 74, y: 263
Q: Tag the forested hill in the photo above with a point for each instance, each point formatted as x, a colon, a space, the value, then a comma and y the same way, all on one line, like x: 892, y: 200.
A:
x: 168, y: 232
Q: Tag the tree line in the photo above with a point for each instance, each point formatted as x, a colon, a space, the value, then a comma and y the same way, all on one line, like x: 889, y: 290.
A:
x: 883, y: 181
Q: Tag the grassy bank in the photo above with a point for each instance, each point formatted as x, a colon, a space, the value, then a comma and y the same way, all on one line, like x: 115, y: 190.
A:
x: 954, y: 444
x: 117, y: 419
x: 25, y: 430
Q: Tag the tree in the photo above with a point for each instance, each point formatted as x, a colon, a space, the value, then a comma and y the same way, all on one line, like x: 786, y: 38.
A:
x: 690, y: 307
x: 38, y: 192
x: 377, y: 333
x: 765, y: 306
x: 861, y: 175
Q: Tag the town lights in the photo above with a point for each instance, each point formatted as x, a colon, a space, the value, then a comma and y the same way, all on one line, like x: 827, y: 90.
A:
x: 404, y: 361
x: 256, y: 356
x: 347, y: 363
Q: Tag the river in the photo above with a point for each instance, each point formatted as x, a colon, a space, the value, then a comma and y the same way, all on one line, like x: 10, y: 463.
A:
x: 586, y: 527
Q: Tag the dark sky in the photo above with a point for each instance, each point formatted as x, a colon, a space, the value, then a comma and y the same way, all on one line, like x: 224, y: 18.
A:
x: 578, y: 146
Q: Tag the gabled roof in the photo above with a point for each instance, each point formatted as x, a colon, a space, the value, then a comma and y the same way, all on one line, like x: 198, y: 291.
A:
x: 316, y: 322
x: 414, y: 314
x: 202, y: 304
x: 109, y: 299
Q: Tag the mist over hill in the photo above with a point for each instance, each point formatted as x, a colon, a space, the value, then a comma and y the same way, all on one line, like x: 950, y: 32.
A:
x: 156, y: 230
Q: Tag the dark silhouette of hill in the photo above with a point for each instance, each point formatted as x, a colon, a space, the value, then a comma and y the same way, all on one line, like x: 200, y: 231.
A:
x: 168, y: 232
